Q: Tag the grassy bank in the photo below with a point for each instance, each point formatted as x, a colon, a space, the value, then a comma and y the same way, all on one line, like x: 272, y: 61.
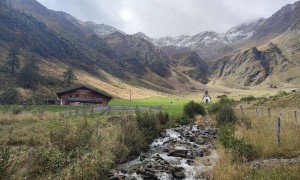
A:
x: 83, y: 147
x: 254, y: 137
x: 35, y: 142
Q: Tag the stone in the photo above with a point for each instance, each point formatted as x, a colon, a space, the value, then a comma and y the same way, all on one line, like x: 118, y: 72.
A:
x: 142, y: 157
x: 200, y: 141
x: 178, y: 173
x: 164, y: 134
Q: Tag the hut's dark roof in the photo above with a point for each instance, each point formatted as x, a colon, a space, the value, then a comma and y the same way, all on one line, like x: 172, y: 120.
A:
x: 59, y: 94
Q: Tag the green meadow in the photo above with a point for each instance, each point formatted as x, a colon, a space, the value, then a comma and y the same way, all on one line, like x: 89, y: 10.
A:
x: 173, y: 106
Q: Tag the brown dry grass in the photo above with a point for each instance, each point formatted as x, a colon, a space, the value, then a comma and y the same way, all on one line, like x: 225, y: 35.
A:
x: 262, y: 134
x: 27, y: 116
x: 226, y: 169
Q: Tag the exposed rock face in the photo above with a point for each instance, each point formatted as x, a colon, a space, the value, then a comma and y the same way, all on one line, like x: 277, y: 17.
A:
x: 286, y: 18
x: 251, y: 67
x: 192, y: 65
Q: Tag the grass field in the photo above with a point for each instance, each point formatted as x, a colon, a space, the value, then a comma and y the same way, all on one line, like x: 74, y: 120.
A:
x: 174, y: 106
x: 36, y: 108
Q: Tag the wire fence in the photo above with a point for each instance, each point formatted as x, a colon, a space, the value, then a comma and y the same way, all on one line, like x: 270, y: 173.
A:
x: 277, y: 114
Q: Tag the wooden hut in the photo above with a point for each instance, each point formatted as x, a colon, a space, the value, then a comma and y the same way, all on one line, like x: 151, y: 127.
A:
x: 83, y: 96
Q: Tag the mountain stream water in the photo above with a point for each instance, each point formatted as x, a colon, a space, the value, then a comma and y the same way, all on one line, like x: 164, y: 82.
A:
x: 185, y: 152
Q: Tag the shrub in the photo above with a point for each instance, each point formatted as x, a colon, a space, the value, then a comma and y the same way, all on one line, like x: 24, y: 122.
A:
x: 163, y: 118
x: 148, y: 123
x: 94, y: 165
x: 282, y: 93
x: 192, y: 109
x: 248, y: 98
x: 226, y: 115
x: 9, y: 97
x: 240, y: 150
x: 224, y: 101
x: 131, y: 136
x: 47, y: 159
x: 16, y: 110
x: 183, y: 120
x: 66, y: 139
x: 5, y: 156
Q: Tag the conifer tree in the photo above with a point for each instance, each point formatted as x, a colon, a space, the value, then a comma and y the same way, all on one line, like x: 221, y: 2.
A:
x: 13, y: 60
x: 69, y: 76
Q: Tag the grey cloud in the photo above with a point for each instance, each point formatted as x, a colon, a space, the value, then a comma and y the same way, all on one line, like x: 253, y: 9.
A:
x: 158, y: 18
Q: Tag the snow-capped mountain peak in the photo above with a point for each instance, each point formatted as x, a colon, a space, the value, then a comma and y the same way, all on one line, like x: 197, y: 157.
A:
x: 102, y: 29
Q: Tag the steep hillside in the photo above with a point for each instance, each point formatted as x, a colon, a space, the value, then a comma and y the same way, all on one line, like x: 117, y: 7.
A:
x: 284, y: 19
x: 274, y: 58
x: 192, y: 65
x: 137, y: 55
x: 102, y: 56
x: 253, y: 66
x: 29, y: 33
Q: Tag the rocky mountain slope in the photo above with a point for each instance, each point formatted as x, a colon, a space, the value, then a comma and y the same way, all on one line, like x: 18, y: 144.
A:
x: 265, y: 51
x: 209, y: 44
x: 192, y: 65
x: 273, y: 58
x: 57, y: 37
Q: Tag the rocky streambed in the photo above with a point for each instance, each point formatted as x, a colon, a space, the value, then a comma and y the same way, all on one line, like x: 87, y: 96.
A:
x: 185, y: 152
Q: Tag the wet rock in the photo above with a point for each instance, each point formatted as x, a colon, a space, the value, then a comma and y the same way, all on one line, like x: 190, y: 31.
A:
x: 114, y: 178
x: 200, y: 141
x: 147, y: 173
x: 189, y: 162
x: 178, y: 173
x: 142, y: 157
x: 192, y: 138
x: 164, y: 134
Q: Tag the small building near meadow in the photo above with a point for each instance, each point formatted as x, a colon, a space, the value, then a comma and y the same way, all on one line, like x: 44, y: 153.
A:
x: 206, y: 98
x: 83, y: 96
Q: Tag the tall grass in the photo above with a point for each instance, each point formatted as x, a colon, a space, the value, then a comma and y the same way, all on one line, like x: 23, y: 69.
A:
x: 260, y: 132
x: 27, y: 116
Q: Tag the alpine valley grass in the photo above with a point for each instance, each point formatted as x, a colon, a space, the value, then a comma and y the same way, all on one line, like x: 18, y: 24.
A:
x: 171, y: 105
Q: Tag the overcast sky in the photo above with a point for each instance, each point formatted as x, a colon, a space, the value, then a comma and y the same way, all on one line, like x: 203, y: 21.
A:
x: 158, y: 18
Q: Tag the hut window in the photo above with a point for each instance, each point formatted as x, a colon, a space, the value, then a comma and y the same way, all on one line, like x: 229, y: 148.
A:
x: 70, y: 95
x: 77, y: 95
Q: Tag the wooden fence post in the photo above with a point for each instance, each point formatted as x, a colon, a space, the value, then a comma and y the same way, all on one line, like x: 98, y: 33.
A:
x: 70, y: 113
x: 96, y: 130
x: 92, y: 110
x: 269, y: 112
x: 278, y: 131
x: 296, y: 118
x: 30, y: 150
x: 76, y: 112
x: 242, y: 110
x: 256, y: 110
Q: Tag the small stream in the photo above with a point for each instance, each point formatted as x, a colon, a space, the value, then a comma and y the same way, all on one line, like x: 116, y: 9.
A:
x: 185, y: 152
